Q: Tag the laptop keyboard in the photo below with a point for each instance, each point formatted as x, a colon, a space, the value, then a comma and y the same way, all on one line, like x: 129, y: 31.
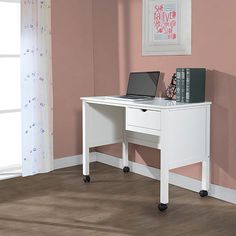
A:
x: 133, y: 96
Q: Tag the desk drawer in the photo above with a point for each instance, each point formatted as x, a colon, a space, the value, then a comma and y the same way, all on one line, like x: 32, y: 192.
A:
x: 143, y: 120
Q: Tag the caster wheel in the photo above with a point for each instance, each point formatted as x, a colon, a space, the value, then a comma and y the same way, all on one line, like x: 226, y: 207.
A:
x: 162, y: 206
x: 203, y: 193
x: 86, y: 178
x: 126, y: 169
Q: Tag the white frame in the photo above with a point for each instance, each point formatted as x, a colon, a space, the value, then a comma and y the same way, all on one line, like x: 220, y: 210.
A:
x: 182, y: 46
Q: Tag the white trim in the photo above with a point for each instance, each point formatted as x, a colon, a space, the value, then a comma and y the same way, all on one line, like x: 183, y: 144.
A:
x: 10, y: 172
x: 216, y: 191
x: 225, y: 194
x: 4, y: 176
x: 10, y: 1
x: 10, y: 111
x: 72, y: 161
x: 9, y: 55
x: 10, y: 168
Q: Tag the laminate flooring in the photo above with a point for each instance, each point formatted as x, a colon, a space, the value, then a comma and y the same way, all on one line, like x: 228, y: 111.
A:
x: 114, y: 204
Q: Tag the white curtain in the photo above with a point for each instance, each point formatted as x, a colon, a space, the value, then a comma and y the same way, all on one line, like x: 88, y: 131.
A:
x: 36, y: 81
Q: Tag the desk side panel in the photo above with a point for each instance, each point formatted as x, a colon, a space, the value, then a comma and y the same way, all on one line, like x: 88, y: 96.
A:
x: 187, y: 137
x: 104, y: 124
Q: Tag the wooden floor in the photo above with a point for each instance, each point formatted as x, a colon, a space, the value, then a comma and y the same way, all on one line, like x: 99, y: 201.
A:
x: 113, y: 204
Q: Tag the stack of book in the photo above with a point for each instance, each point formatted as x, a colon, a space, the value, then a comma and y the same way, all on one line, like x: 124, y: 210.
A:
x: 190, y: 84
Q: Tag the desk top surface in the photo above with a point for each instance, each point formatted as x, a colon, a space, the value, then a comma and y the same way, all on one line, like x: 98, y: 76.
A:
x: 156, y: 103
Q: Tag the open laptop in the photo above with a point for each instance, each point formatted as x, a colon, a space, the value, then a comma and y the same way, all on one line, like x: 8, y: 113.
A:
x: 142, y: 85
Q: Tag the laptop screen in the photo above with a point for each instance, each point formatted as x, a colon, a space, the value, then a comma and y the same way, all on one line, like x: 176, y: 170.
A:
x: 143, y: 83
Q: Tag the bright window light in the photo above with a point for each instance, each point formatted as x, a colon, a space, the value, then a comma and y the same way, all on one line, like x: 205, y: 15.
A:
x: 10, y: 28
x: 10, y: 98
x: 9, y: 83
x: 10, y: 136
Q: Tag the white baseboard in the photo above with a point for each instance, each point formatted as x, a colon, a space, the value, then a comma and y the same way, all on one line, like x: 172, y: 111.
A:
x: 72, y: 161
x: 216, y: 191
x: 10, y: 172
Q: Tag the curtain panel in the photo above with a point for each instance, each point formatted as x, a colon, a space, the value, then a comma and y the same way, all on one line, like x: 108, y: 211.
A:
x: 36, y: 84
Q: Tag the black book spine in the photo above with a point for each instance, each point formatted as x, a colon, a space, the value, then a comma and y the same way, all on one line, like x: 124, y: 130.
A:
x: 178, y: 85
x: 183, y: 86
x: 187, y: 85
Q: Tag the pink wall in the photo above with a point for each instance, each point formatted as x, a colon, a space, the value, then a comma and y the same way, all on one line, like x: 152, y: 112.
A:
x: 97, y: 43
x: 72, y: 48
x: 213, y: 47
x: 106, y: 70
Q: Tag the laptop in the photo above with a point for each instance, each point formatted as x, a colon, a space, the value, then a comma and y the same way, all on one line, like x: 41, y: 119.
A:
x: 142, y: 85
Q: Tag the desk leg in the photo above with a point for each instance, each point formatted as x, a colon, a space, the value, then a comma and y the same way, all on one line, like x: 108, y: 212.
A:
x: 205, y: 177
x: 86, y: 176
x: 164, y: 184
x: 125, y: 153
x: 206, y: 162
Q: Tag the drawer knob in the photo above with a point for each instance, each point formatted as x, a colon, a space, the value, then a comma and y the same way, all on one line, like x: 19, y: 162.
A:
x: 143, y: 110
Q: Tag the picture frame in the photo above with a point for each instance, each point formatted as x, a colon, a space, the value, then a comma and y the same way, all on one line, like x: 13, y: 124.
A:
x: 166, y: 27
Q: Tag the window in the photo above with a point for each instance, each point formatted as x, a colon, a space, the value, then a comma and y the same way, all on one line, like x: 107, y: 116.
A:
x: 10, y: 101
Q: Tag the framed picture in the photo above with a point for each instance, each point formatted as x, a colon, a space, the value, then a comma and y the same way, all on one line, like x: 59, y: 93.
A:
x: 166, y: 27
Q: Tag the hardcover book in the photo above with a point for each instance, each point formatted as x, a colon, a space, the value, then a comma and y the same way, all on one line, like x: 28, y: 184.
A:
x: 178, y: 84
x: 183, y: 86
x: 195, y: 84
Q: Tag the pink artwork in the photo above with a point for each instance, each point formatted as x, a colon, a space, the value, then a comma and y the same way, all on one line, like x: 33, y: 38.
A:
x: 165, y: 21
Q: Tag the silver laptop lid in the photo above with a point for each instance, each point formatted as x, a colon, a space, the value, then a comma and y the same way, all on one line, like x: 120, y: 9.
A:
x: 143, y: 83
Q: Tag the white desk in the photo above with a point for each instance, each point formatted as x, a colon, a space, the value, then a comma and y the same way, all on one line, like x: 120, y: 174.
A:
x: 180, y: 130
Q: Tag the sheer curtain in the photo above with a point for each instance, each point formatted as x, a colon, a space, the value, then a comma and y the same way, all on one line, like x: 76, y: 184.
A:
x: 36, y: 81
